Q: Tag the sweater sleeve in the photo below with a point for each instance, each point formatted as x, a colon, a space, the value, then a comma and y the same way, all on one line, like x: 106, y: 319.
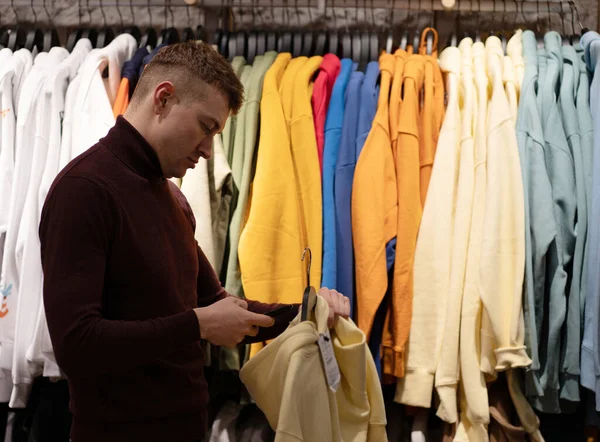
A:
x: 75, y: 233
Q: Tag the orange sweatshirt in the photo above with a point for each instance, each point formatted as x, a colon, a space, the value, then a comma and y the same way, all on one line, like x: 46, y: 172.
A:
x: 409, y: 213
x: 374, y: 218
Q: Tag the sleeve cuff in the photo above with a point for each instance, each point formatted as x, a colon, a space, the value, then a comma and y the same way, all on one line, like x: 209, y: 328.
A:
x: 415, y: 389
x: 511, y: 357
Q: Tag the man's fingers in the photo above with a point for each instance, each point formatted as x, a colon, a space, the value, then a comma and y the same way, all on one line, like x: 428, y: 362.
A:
x: 346, y: 307
x: 260, y: 320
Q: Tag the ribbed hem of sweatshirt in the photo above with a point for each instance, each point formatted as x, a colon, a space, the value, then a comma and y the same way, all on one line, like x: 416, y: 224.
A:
x: 588, y: 372
x: 415, y: 389
x: 448, y: 408
x: 377, y: 432
x: 20, y: 395
x: 548, y: 403
x: 511, y: 357
x: 569, y: 391
x: 393, y: 361
x: 6, y: 355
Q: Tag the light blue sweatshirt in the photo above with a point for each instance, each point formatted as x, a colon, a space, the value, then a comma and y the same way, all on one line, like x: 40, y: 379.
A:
x: 333, y: 133
x: 344, y: 176
x: 590, y: 363
x: 539, y: 217
x: 570, y: 362
x: 561, y: 172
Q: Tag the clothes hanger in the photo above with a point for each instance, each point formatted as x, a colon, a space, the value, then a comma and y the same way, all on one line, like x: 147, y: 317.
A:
x: 260, y: 34
x: 188, y: 32
x: 332, y: 37
x: 252, y: 47
x: 308, y: 44
x: 106, y: 33
x: 346, y: 45
x: 575, y: 38
x: 35, y: 36
x: 373, y: 52
x: 453, y: 38
x: 309, y: 297
x: 320, y: 42
x: 389, y: 41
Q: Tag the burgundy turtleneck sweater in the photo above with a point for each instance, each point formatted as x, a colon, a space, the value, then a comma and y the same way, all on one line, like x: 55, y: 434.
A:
x: 122, y: 273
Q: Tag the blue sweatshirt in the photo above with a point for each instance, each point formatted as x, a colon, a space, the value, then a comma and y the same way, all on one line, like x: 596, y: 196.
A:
x: 333, y: 132
x: 590, y: 363
x: 344, y: 176
x: 369, y: 95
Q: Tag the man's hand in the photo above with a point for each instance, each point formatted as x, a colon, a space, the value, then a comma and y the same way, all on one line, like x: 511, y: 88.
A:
x: 227, y: 322
x: 339, y: 305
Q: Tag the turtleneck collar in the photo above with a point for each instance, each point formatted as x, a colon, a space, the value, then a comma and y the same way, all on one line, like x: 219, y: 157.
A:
x: 131, y: 147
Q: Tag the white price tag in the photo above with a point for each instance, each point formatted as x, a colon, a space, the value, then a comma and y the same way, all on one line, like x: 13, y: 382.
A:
x: 332, y: 370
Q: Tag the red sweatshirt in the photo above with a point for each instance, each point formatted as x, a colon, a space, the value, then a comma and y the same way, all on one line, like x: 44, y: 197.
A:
x: 329, y: 70
x: 122, y: 273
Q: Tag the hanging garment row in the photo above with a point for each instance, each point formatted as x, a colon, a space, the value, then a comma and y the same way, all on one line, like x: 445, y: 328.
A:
x: 447, y: 194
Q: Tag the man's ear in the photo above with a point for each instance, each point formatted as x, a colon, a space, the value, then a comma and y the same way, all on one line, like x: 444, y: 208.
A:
x: 163, y: 94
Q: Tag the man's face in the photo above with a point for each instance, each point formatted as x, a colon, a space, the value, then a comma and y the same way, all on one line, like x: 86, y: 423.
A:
x: 186, y: 131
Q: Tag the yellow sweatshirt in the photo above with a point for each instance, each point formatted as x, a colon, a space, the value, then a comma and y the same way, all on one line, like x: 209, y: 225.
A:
x: 287, y: 380
x: 286, y: 87
x: 409, y: 213
x: 271, y: 243
x: 306, y: 163
x: 396, y: 96
x: 374, y: 207
x: 446, y: 376
x: 475, y: 414
x: 502, y: 261
x: 434, y: 251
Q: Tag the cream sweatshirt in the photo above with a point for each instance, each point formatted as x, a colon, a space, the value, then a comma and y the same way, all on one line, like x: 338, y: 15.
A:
x: 447, y: 374
x: 434, y: 251
x: 475, y: 413
x: 502, y: 261
x: 287, y: 381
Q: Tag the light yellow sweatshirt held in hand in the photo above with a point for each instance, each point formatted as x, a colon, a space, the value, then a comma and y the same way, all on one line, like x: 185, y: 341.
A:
x: 287, y: 380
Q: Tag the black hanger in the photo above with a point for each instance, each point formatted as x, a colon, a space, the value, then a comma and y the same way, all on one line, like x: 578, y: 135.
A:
x: 374, y: 47
x: 309, y: 297
x: 73, y: 38
x: 356, y: 46
x: 365, y: 48
x: 105, y: 36
x: 51, y: 39
x: 416, y: 41
x: 188, y: 34
x: 133, y: 31
x: 297, y: 44
x: 333, y: 43
x: 91, y: 34
x: 271, y: 41
x: 346, y: 45
x: 285, y: 42
x: 252, y: 47
x: 149, y: 39
x: 16, y: 39
x: 201, y: 33
x: 35, y: 39
x: 320, y: 43
x: 404, y: 40
x: 261, y: 42
x: 241, y: 43
x: 232, y: 49
x: 168, y: 36
x: 308, y: 44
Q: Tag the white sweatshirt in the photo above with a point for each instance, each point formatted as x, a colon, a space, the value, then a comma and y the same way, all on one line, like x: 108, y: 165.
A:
x: 93, y: 115
x: 50, y: 107
x: 28, y: 119
x: 13, y: 72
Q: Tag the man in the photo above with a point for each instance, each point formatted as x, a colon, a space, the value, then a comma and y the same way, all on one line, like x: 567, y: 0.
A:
x: 127, y: 291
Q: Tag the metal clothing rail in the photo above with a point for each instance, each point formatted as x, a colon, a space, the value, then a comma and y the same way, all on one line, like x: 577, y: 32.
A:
x: 487, y: 6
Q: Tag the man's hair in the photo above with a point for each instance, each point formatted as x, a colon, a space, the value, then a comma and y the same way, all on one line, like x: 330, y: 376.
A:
x: 186, y: 64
